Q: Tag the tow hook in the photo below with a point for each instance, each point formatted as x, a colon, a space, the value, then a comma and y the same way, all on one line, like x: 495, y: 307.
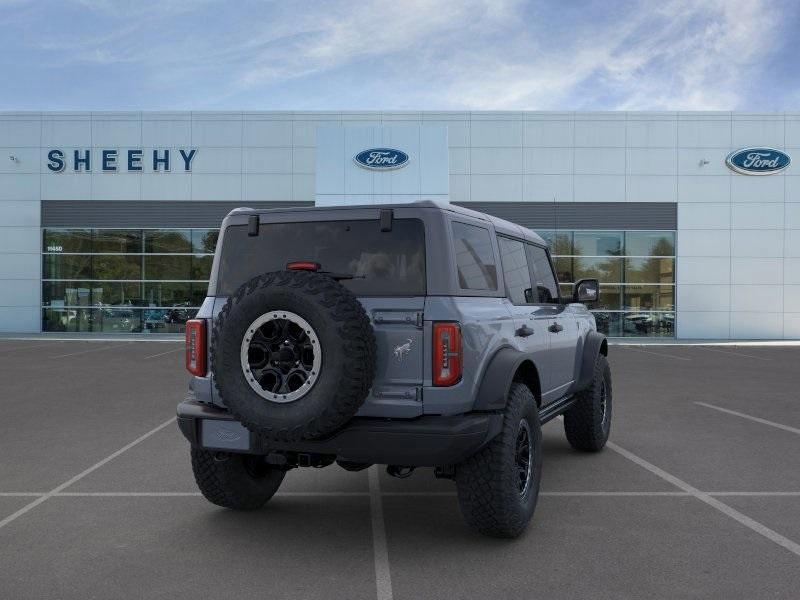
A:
x: 399, y: 471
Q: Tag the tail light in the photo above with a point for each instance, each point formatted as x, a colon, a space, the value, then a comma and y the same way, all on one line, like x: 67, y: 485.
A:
x: 447, y: 356
x: 196, y: 347
x: 303, y: 265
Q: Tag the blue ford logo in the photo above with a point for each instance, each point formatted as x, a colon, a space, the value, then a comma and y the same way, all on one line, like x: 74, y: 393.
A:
x: 758, y: 161
x: 381, y: 159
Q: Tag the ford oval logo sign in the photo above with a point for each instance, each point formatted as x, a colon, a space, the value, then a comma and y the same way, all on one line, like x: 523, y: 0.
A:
x: 758, y: 161
x: 381, y: 159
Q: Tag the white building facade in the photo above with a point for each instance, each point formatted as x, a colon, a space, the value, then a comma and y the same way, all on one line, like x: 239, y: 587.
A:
x: 108, y: 220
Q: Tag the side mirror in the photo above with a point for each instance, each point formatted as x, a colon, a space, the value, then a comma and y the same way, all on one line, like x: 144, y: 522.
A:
x: 529, y: 295
x: 586, y: 291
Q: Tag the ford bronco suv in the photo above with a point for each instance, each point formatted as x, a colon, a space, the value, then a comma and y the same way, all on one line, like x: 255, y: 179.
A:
x: 408, y: 335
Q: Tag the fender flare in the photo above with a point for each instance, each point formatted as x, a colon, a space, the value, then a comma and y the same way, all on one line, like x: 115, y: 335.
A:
x: 594, y: 344
x: 497, y: 378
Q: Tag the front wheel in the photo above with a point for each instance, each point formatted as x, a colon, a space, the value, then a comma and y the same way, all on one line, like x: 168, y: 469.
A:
x: 588, y: 423
x: 237, y: 481
x: 498, y: 487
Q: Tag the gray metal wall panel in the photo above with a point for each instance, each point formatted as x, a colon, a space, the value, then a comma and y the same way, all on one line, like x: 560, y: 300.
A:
x: 583, y: 215
x: 135, y: 213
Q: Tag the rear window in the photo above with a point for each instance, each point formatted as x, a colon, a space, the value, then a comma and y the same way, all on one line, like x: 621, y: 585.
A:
x: 389, y: 263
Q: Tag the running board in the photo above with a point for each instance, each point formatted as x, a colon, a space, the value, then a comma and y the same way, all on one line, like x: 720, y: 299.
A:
x: 552, y: 410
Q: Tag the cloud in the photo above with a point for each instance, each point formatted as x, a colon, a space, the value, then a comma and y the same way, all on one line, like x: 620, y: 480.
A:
x: 450, y: 54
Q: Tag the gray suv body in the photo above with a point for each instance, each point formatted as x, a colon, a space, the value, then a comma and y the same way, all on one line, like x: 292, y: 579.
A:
x: 471, y: 343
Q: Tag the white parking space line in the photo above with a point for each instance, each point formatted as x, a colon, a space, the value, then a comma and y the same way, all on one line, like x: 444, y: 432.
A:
x: 656, y: 353
x: 794, y: 430
x: 163, y: 353
x: 93, y: 350
x: 383, y: 578
x: 31, y: 505
x: 734, y: 514
x: 394, y: 494
x: 742, y: 354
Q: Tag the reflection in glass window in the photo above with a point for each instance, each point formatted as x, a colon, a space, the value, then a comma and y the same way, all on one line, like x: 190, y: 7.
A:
x: 605, y: 270
x: 648, y: 324
x: 515, y: 270
x: 120, y: 241
x: 559, y: 242
x: 649, y: 270
x: 474, y: 257
x: 201, y: 267
x: 168, y: 241
x: 116, y: 267
x: 67, y: 240
x: 94, y: 279
x: 650, y: 243
x: 649, y: 297
x: 564, y: 269
x: 69, y: 266
x: 204, y: 241
x: 597, y: 243
x: 167, y: 267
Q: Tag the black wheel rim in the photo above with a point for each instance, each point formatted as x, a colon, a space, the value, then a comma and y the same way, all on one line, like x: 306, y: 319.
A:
x: 603, y: 402
x: 281, y: 356
x: 523, y: 458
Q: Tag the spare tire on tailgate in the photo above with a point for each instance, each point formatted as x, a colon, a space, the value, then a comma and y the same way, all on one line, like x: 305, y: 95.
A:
x: 293, y: 355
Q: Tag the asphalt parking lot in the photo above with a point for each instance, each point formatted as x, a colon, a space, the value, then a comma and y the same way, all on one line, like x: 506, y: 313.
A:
x: 698, y: 496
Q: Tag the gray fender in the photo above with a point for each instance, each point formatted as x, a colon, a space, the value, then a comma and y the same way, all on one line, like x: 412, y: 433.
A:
x: 594, y: 344
x: 497, y: 379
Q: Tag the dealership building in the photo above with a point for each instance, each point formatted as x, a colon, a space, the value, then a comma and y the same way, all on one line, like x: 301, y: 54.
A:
x: 690, y: 220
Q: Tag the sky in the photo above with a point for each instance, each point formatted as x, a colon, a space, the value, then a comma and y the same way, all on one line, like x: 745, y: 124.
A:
x: 400, y: 55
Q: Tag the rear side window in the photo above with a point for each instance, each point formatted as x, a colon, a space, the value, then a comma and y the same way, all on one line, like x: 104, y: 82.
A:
x: 474, y: 257
x: 542, y: 272
x: 515, y: 270
x: 390, y: 263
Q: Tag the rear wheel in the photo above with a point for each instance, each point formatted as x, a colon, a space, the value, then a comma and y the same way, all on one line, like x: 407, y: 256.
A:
x: 498, y: 487
x: 588, y: 423
x: 238, y: 481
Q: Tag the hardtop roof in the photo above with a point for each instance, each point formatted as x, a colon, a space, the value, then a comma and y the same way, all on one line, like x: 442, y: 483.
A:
x: 500, y: 225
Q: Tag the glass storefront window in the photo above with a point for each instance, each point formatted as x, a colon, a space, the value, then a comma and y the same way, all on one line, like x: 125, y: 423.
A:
x: 124, y: 280
x: 67, y: 266
x: 649, y: 297
x: 204, y: 241
x: 597, y: 243
x: 201, y: 267
x: 636, y: 270
x: 650, y: 270
x: 67, y: 240
x: 117, y: 241
x: 168, y: 241
x: 167, y: 267
x: 606, y: 270
x: 650, y: 243
x: 109, y: 266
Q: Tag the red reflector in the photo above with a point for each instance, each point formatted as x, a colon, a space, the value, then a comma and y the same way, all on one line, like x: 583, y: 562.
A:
x: 196, y: 347
x: 447, y: 356
x: 303, y: 265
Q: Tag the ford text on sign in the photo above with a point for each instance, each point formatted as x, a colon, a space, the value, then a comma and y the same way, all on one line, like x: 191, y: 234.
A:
x: 381, y: 159
x: 758, y: 161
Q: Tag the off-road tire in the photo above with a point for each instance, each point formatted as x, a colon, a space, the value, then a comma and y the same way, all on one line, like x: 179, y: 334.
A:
x: 347, y: 343
x: 237, y: 481
x: 587, y: 424
x: 488, y: 492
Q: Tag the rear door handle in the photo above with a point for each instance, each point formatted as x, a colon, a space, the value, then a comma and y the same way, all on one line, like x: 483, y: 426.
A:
x: 523, y: 331
x: 555, y: 328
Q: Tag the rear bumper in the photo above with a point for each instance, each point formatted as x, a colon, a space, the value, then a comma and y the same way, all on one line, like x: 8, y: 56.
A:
x: 429, y: 440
